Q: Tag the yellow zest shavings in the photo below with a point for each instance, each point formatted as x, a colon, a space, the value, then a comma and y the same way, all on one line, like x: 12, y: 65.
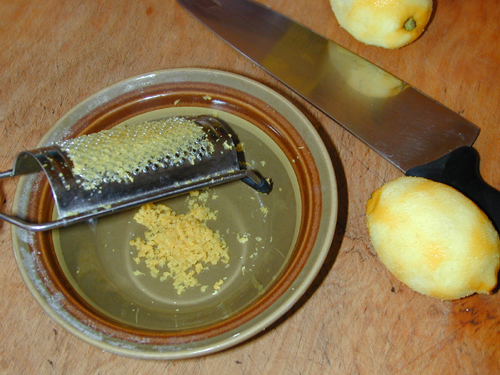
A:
x: 183, y: 244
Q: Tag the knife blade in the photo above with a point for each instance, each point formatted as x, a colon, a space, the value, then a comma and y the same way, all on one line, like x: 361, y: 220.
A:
x: 411, y: 130
x: 405, y: 126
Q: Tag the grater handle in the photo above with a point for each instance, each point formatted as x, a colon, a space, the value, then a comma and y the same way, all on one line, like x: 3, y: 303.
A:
x: 50, y: 225
x: 20, y: 222
x: 31, y: 226
x: 249, y: 177
x: 6, y: 174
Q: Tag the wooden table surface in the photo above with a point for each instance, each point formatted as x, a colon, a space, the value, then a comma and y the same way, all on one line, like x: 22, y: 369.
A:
x: 356, y: 318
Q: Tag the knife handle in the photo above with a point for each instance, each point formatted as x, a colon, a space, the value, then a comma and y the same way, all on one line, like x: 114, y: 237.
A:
x: 460, y: 170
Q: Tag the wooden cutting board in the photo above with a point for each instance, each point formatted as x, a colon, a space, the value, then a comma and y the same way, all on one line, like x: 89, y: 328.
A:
x: 356, y: 318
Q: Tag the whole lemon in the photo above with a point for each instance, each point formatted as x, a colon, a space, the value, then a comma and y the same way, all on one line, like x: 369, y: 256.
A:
x: 384, y: 23
x: 433, y: 238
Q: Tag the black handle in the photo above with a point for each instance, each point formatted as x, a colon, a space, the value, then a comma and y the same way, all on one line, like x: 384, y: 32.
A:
x: 460, y: 170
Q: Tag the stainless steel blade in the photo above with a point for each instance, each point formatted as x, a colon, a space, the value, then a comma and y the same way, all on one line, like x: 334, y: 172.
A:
x: 402, y: 124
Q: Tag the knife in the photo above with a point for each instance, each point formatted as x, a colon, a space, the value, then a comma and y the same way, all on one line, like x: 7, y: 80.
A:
x: 414, y: 132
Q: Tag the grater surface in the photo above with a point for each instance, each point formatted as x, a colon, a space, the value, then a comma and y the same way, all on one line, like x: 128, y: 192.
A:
x: 122, y: 153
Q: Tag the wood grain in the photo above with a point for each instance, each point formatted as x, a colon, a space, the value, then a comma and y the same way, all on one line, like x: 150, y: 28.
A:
x: 356, y: 318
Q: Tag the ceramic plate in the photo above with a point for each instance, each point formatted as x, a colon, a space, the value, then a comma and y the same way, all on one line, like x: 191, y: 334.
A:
x: 85, y: 276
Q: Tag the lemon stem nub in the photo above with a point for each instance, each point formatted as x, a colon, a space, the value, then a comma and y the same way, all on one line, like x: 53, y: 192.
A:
x: 410, y: 24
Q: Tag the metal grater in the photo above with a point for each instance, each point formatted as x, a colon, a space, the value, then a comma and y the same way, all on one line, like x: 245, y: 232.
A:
x: 173, y: 175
